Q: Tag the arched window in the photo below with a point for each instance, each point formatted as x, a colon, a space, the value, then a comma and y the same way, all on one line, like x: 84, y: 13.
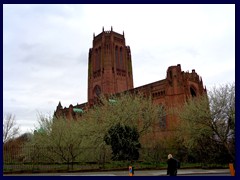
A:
x: 97, y: 91
x: 193, y: 92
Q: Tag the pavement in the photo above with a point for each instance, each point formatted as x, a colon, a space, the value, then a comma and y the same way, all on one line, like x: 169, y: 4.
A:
x: 181, y: 172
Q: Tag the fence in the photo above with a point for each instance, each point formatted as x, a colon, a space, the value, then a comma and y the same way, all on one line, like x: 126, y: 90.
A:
x: 33, y: 158
x: 64, y: 159
x: 47, y: 159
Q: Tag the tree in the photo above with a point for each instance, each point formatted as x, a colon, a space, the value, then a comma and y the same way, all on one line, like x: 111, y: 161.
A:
x: 10, y: 127
x: 208, y: 122
x: 62, y: 140
x: 133, y: 110
x: 124, y: 142
x: 222, y: 107
x: 57, y: 140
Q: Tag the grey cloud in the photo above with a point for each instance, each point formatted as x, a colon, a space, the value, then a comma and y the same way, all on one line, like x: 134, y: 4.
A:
x: 45, y: 48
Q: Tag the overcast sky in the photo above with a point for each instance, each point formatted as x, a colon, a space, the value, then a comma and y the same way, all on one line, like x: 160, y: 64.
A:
x: 45, y: 49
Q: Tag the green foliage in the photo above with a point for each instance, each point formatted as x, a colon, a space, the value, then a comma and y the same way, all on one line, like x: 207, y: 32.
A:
x: 67, y: 141
x: 207, y: 125
x: 195, y: 121
x: 59, y: 141
x: 124, y: 142
x: 126, y: 109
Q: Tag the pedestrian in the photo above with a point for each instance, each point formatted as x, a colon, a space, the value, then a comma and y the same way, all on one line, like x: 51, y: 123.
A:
x: 172, y: 166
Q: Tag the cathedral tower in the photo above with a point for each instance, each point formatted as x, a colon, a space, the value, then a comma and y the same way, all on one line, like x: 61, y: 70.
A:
x: 109, y: 65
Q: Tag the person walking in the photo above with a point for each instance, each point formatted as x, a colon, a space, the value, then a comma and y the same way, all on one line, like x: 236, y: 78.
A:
x: 172, y: 166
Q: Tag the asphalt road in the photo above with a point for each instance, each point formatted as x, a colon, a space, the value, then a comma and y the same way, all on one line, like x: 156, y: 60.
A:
x: 181, y: 172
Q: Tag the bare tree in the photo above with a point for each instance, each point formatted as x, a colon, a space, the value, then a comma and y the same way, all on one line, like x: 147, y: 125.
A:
x: 10, y: 127
x: 222, y: 106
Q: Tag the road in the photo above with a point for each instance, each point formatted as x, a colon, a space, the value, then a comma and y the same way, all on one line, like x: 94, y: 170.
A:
x: 181, y: 172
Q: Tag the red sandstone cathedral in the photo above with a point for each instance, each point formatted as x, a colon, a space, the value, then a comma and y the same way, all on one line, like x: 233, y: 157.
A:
x: 110, y: 72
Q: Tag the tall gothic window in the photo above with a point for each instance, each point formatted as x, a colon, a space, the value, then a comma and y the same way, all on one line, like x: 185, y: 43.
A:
x: 162, y: 117
x: 99, y: 58
x: 116, y: 57
x: 96, y: 60
x: 121, y: 58
x: 170, y: 74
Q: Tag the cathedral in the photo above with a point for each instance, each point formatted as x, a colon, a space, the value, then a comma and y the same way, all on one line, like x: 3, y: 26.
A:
x: 110, y: 72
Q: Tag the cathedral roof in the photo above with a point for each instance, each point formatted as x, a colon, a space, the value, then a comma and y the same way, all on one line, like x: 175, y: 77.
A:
x: 78, y: 110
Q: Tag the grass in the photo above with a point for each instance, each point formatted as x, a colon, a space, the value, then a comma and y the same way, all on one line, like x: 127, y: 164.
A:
x: 114, y: 165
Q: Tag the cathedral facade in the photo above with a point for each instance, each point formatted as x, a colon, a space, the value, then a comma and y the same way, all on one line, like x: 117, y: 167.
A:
x: 110, y: 72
